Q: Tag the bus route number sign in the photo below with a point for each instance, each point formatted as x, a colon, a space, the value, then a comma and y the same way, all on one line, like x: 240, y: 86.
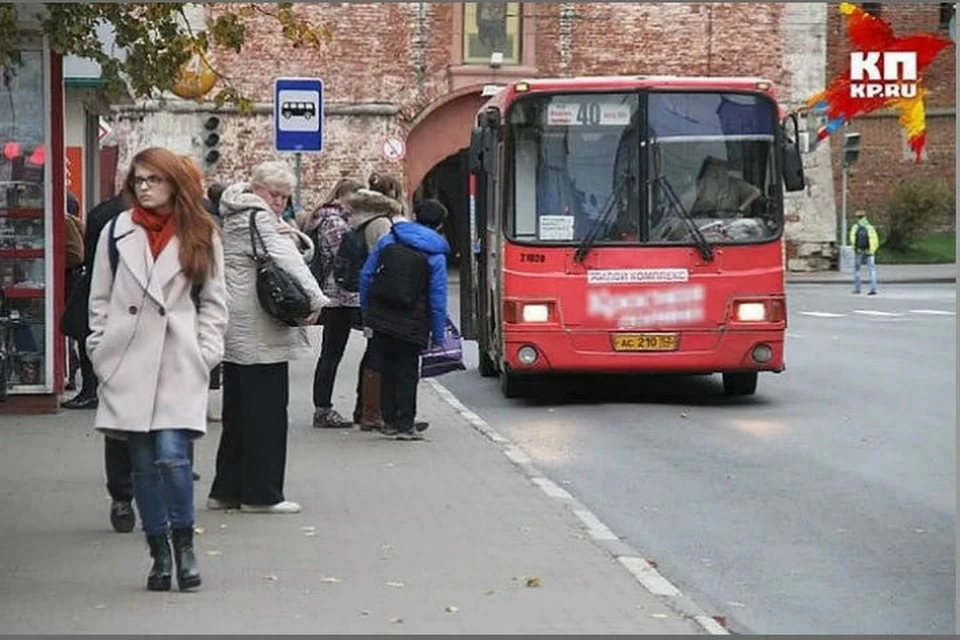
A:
x: 587, y: 114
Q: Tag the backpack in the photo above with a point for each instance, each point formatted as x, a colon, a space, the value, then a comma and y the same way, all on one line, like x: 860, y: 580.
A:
x: 401, y: 277
x: 114, y: 255
x: 351, y: 255
x: 322, y: 258
x: 862, y: 239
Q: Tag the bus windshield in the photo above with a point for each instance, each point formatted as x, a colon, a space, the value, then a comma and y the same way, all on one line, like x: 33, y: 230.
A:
x: 607, y: 167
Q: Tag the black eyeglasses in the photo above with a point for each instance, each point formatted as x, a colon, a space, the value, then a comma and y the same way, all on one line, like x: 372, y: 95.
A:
x: 149, y: 181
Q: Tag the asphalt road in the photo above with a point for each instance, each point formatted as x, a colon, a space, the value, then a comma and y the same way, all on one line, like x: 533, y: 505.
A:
x: 824, y: 504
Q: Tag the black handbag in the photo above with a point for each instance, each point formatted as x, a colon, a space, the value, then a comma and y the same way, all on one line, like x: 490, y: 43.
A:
x: 75, y: 319
x: 280, y: 294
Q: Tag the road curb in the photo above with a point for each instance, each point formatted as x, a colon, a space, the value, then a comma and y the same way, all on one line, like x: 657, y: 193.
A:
x: 642, y: 570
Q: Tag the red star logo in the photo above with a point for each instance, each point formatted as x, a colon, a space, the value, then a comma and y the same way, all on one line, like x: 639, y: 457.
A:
x: 869, y: 33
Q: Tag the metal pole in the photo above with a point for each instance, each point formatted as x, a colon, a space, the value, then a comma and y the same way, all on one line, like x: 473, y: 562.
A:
x: 843, y: 208
x: 299, y: 157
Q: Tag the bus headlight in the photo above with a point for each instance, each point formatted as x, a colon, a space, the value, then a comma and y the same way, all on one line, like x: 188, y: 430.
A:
x: 527, y: 355
x: 536, y: 313
x: 750, y: 312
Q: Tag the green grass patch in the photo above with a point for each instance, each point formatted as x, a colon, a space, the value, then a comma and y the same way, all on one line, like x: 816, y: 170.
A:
x: 939, y: 248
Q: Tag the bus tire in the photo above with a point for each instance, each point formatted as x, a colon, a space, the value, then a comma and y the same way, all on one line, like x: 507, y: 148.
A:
x: 512, y: 385
x: 486, y: 366
x: 742, y: 383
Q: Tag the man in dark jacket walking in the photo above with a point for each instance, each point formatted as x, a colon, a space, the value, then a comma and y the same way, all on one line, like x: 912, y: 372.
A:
x: 115, y: 454
x: 402, y: 328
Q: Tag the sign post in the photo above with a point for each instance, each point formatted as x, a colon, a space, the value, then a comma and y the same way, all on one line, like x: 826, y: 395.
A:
x: 298, y: 118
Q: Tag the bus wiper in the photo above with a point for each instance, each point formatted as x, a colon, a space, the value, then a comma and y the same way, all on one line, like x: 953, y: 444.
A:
x: 587, y: 243
x: 703, y: 245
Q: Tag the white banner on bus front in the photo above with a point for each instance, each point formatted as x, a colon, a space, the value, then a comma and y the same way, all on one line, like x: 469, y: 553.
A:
x: 637, y: 276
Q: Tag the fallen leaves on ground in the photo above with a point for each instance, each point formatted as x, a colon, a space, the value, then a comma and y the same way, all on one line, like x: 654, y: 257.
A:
x: 533, y: 582
x: 451, y: 608
x: 270, y: 576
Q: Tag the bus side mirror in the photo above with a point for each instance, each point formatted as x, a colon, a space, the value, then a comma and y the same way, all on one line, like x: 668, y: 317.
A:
x: 792, y: 159
x: 475, y: 155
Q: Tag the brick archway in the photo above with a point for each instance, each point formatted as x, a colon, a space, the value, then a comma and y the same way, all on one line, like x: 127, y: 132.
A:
x: 441, y: 130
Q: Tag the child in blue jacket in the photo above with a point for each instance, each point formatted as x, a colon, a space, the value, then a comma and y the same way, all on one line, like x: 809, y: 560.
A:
x: 400, y: 334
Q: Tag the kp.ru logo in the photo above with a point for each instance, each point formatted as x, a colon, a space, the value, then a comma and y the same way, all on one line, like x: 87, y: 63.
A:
x: 888, y: 74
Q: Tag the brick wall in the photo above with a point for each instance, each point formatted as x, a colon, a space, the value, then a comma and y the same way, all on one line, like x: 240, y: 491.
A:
x: 884, y: 158
x: 388, y: 63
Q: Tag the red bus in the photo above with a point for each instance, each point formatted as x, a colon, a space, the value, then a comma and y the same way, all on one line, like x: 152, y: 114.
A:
x: 629, y: 225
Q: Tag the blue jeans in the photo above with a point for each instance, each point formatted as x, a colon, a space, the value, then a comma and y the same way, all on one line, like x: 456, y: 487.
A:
x: 871, y: 264
x: 162, y: 479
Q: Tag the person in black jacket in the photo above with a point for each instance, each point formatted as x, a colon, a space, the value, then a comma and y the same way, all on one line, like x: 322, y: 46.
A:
x: 116, y: 457
x: 97, y: 219
x: 401, y: 331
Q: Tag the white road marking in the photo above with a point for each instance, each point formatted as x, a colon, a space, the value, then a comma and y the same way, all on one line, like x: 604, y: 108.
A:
x: 516, y: 454
x: 933, y: 312
x: 798, y: 336
x: 596, y: 529
x: 552, y: 489
x: 823, y: 314
x: 712, y: 626
x: 649, y: 577
x: 879, y: 314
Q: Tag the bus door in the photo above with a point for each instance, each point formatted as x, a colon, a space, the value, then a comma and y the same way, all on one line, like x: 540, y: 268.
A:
x: 478, y: 274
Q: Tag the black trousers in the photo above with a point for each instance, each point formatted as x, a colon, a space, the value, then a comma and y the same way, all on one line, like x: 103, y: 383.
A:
x: 88, y: 379
x: 399, y: 374
x: 252, y: 457
x: 336, y: 332
x: 119, y: 467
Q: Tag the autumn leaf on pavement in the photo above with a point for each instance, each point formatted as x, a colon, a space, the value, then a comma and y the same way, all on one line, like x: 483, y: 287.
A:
x: 533, y: 582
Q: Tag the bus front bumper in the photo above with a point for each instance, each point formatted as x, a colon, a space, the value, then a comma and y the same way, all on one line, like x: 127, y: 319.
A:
x: 692, y: 352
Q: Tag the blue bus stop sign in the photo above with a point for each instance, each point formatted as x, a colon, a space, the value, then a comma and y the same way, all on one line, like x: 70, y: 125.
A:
x: 298, y: 114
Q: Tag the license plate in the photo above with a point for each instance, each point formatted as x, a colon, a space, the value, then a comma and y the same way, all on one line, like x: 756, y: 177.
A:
x: 645, y: 342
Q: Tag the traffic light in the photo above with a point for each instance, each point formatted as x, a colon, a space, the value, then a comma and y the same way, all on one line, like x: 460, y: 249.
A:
x: 211, y: 142
x: 851, y: 149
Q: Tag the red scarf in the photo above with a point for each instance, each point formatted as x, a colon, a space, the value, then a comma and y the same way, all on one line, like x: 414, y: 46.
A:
x: 160, y: 227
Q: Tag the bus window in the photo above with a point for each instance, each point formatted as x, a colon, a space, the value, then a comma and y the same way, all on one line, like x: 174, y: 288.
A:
x: 564, y: 166
x: 717, y: 153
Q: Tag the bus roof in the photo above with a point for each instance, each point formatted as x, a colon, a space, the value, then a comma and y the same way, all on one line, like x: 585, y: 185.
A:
x: 631, y: 83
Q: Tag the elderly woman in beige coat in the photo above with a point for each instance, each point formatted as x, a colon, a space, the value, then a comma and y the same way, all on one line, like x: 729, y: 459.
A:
x: 157, y: 320
x: 251, y: 459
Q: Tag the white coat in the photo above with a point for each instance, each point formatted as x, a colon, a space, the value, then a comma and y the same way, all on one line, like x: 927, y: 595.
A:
x: 253, y: 336
x: 150, y: 346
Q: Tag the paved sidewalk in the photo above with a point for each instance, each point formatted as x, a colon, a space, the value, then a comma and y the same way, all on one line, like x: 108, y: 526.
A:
x: 886, y: 274
x: 432, y: 537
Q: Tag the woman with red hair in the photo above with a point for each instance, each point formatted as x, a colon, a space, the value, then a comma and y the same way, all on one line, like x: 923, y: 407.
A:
x: 157, y: 317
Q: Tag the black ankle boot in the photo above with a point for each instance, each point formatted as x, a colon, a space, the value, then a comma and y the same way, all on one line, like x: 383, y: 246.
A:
x: 159, y: 577
x: 188, y: 573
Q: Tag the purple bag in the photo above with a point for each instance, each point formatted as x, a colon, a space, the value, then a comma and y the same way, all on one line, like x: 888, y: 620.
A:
x: 438, y: 360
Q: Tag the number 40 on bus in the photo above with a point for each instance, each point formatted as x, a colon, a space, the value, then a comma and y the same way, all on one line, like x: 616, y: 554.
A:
x: 629, y: 225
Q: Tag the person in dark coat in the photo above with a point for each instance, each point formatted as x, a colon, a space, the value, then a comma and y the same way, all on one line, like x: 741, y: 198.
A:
x: 400, y: 334
x: 116, y: 457
x: 96, y: 219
